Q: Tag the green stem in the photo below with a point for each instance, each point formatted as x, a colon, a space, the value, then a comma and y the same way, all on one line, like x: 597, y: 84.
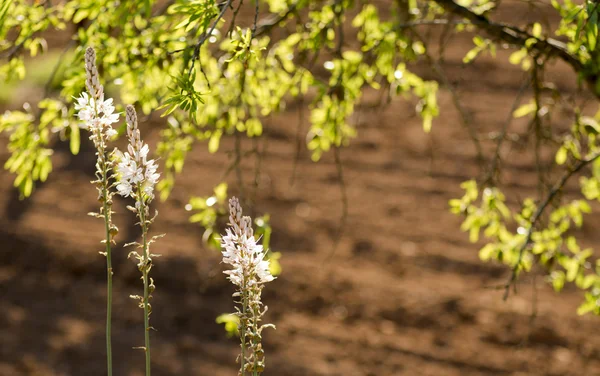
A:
x: 255, y: 339
x: 243, y: 331
x: 146, y: 287
x: 109, y: 272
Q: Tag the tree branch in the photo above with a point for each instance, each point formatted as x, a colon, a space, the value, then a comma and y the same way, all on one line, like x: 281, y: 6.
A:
x: 493, y: 172
x: 513, y: 35
x: 536, y: 217
x: 266, y: 25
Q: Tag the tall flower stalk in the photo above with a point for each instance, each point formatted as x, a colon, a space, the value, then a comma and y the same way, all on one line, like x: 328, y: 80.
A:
x: 97, y: 116
x: 249, y: 273
x: 137, y: 178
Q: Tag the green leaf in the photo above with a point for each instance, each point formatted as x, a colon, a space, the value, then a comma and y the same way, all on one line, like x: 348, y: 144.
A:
x: 524, y: 110
x: 517, y: 56
x: 231, y: 322
x: 536, y: 31
x: 213, y: 142
x: 558, y: 280
x: 427, y: 122
x: 561, y: 155
x: 471, y: 55
x: 4, y: 5
x: 74, y: 141
x: 221, y: 192
x: 592, y: 31
x: 353, y: 57
x: 487, y: 251
x: 27, y: 187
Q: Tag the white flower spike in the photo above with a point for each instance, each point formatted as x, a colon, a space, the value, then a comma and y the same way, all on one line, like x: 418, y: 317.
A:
x: 96, y: 114
x: 137, y: 173
x: 249, y: 272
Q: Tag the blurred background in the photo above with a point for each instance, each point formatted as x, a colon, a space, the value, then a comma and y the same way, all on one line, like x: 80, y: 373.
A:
x: 392, y: 288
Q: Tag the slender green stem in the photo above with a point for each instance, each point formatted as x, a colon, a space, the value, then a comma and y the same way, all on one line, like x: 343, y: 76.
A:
x: 143, y: 223
x: 243, y: 331
x: 109, y: 272
x: 255, y: 339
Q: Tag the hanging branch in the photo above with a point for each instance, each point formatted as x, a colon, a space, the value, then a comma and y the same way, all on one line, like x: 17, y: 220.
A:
x: 496, y: 159
x: 543, y: 47
x: 536, y: 217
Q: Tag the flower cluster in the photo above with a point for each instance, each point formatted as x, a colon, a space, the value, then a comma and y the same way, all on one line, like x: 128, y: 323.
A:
x: 241, y: 250
x: 137, y: 173
x: 96, y: 114
x: 250, y: 272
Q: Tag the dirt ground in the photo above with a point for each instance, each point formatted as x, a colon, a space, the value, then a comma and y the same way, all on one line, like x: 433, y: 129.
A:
x: 403, y: 294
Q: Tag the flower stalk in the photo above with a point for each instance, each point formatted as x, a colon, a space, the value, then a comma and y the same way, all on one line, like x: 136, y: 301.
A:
x: 249, y: 274
x: 145, y: 275
x: 97, y: 116
x: 137, y: 178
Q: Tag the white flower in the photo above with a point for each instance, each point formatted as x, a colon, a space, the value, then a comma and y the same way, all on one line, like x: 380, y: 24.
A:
x: 85, y: 114
x: 143, y: 152
x: 107, y: 120
x: 84, y: 101
x: 106, y: 107
x: 124, y: 188
x: 264, y: 272
x: 129, y: 170
x: 110, y: 133
x: 96, y: 115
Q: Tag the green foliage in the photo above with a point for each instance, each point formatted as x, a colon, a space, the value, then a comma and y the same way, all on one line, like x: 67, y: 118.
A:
x: 390, y: 48
x: 212, y: 77
x: 551, y: 245
x: 30, y: 159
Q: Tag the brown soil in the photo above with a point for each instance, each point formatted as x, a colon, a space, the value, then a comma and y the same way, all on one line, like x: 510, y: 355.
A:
x: 403, y: 294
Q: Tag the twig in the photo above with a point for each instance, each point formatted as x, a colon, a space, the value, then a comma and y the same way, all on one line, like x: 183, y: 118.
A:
x: 336, y: 149
x: 344, y: 197
x: 259, y: 156
x: 445, y: 37
x: 238, y: 160
x: 299, y: 128
x: 234, y: 18
x: 502, y: 137
x: 254, y: 24
x: 465, y: 115
x: 206, y: 35
x: 589, y: 15
x: 436, y: 22
x: 48, y: 85
x: 537, y: 122
x: 466, y: 119
x: 266, y: 25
